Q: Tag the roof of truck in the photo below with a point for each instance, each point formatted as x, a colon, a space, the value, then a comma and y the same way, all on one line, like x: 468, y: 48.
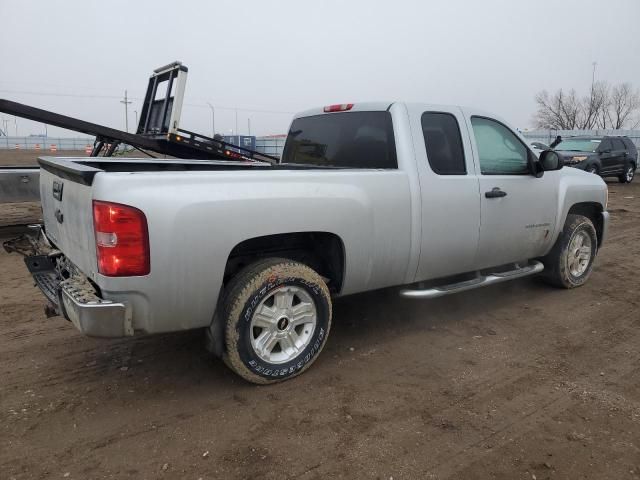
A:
x: 357, y: 107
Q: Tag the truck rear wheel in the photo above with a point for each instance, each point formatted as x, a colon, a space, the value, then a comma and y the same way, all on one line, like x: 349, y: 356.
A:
x: 277, y: 316
x: 570, y: 262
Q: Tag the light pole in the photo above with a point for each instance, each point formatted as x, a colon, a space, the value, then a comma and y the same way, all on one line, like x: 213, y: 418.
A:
x: 237, y: 133
x: 126, y: 111
x: 136, y: 112
x: 213, y: 120
x: 249, y: 126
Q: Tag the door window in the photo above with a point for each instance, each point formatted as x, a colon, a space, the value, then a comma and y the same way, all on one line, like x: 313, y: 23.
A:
x: 605, y: 145
x: 500, y: 151
x: 443, y: 143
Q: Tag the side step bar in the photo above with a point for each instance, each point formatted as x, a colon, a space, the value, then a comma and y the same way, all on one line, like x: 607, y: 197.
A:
x: 480, y: 281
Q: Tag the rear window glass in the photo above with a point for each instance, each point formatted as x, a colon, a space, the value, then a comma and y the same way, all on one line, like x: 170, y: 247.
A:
x: 443, y: 143
x: 349, y: 139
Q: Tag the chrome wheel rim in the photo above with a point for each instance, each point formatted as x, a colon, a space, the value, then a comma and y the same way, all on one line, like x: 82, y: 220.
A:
x: 592, y: 169
x: 579, y: 254
x: 283, y: 324
x: 630, y: 173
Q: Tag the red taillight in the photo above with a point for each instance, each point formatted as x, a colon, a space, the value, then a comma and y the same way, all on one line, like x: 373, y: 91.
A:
x: 122, y: 240
x: 340, y: 107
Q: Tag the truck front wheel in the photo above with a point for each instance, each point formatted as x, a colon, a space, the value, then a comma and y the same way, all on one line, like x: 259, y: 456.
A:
x: 570, y: 262
x: 277, y: 316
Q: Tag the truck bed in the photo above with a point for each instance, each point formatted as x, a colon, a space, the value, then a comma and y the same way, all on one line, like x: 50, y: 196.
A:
x: 83, y: 169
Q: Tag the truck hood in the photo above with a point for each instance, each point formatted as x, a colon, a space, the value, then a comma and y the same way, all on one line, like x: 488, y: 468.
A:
x: 583, y: 178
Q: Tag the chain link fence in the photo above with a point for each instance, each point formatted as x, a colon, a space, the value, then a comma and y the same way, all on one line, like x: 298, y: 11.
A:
x: 547, y: 136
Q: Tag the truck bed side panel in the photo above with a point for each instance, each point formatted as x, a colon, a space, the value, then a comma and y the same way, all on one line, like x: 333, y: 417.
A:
x: 196, y: 219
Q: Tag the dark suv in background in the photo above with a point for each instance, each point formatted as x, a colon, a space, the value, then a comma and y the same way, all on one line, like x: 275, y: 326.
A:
x: 607, y: 156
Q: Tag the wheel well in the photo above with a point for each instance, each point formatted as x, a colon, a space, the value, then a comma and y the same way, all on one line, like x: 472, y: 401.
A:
x: 322, y: 251
x: 592, y: 211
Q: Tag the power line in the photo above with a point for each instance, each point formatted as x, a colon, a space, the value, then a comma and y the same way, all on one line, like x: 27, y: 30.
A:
x: 118, y: 97
x: 51, y: 94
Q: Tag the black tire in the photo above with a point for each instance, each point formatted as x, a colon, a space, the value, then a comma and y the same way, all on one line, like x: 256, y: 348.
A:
x: 629, y: 173
x: 246, y: 292
x: 557, y: 271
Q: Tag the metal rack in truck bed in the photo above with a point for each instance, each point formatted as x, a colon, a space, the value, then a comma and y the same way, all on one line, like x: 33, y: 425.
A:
x: 157, y: 131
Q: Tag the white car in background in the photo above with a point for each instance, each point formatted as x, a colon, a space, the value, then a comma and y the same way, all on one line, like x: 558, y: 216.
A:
x: 538, y: 147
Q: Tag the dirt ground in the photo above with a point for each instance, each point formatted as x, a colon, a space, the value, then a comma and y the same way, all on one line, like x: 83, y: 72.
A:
x: 515, y: 381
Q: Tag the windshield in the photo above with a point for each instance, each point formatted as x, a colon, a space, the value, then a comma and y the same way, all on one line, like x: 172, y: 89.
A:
x: 348, y: 140
x: 579, y: 144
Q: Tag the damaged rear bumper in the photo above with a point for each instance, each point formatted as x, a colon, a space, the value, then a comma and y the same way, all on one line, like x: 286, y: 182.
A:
x: 69, y: 291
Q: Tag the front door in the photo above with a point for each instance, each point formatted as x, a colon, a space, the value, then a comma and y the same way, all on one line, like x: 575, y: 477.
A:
x: 518, y: 210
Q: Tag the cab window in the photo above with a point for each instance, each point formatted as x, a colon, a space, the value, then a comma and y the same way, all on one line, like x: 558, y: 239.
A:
x: 500, y: 151
x: 342, y: 140
x: 443, y: 143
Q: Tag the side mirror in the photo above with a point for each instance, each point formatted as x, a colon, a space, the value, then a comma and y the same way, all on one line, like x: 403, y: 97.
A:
x: 550, y: 160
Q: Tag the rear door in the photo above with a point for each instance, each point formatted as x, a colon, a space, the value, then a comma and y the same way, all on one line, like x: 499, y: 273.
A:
x: 518, y: 210
x: 450, y: 203
x: 619, y: 155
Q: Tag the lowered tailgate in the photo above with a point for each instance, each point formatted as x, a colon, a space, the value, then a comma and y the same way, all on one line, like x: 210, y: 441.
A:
x: 68, y: 215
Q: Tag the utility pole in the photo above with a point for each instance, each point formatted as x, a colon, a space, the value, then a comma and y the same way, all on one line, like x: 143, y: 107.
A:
x: 249, y: 126
x: 126, y: 111
x: 213, y: 120
x: 5, y: 124
x: 593, y: 75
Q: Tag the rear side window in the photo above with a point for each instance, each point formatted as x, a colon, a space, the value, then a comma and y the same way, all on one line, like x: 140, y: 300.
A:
x: 618, y: 144
x: 631, y: 148
x: 348, y: 139
x: 443, y: 143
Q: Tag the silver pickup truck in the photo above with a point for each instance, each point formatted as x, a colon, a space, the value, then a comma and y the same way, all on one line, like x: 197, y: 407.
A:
x: 436, y: 199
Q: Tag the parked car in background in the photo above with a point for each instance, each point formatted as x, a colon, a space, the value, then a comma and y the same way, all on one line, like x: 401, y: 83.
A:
x: 606, y: 156
x: 538, y: 147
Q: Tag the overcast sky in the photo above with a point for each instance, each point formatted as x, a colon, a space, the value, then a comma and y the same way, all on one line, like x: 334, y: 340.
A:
x: 78, y: 56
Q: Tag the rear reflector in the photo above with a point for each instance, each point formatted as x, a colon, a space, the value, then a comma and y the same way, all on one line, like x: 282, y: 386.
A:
x: 122, y: 240
x: 340, y: 107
